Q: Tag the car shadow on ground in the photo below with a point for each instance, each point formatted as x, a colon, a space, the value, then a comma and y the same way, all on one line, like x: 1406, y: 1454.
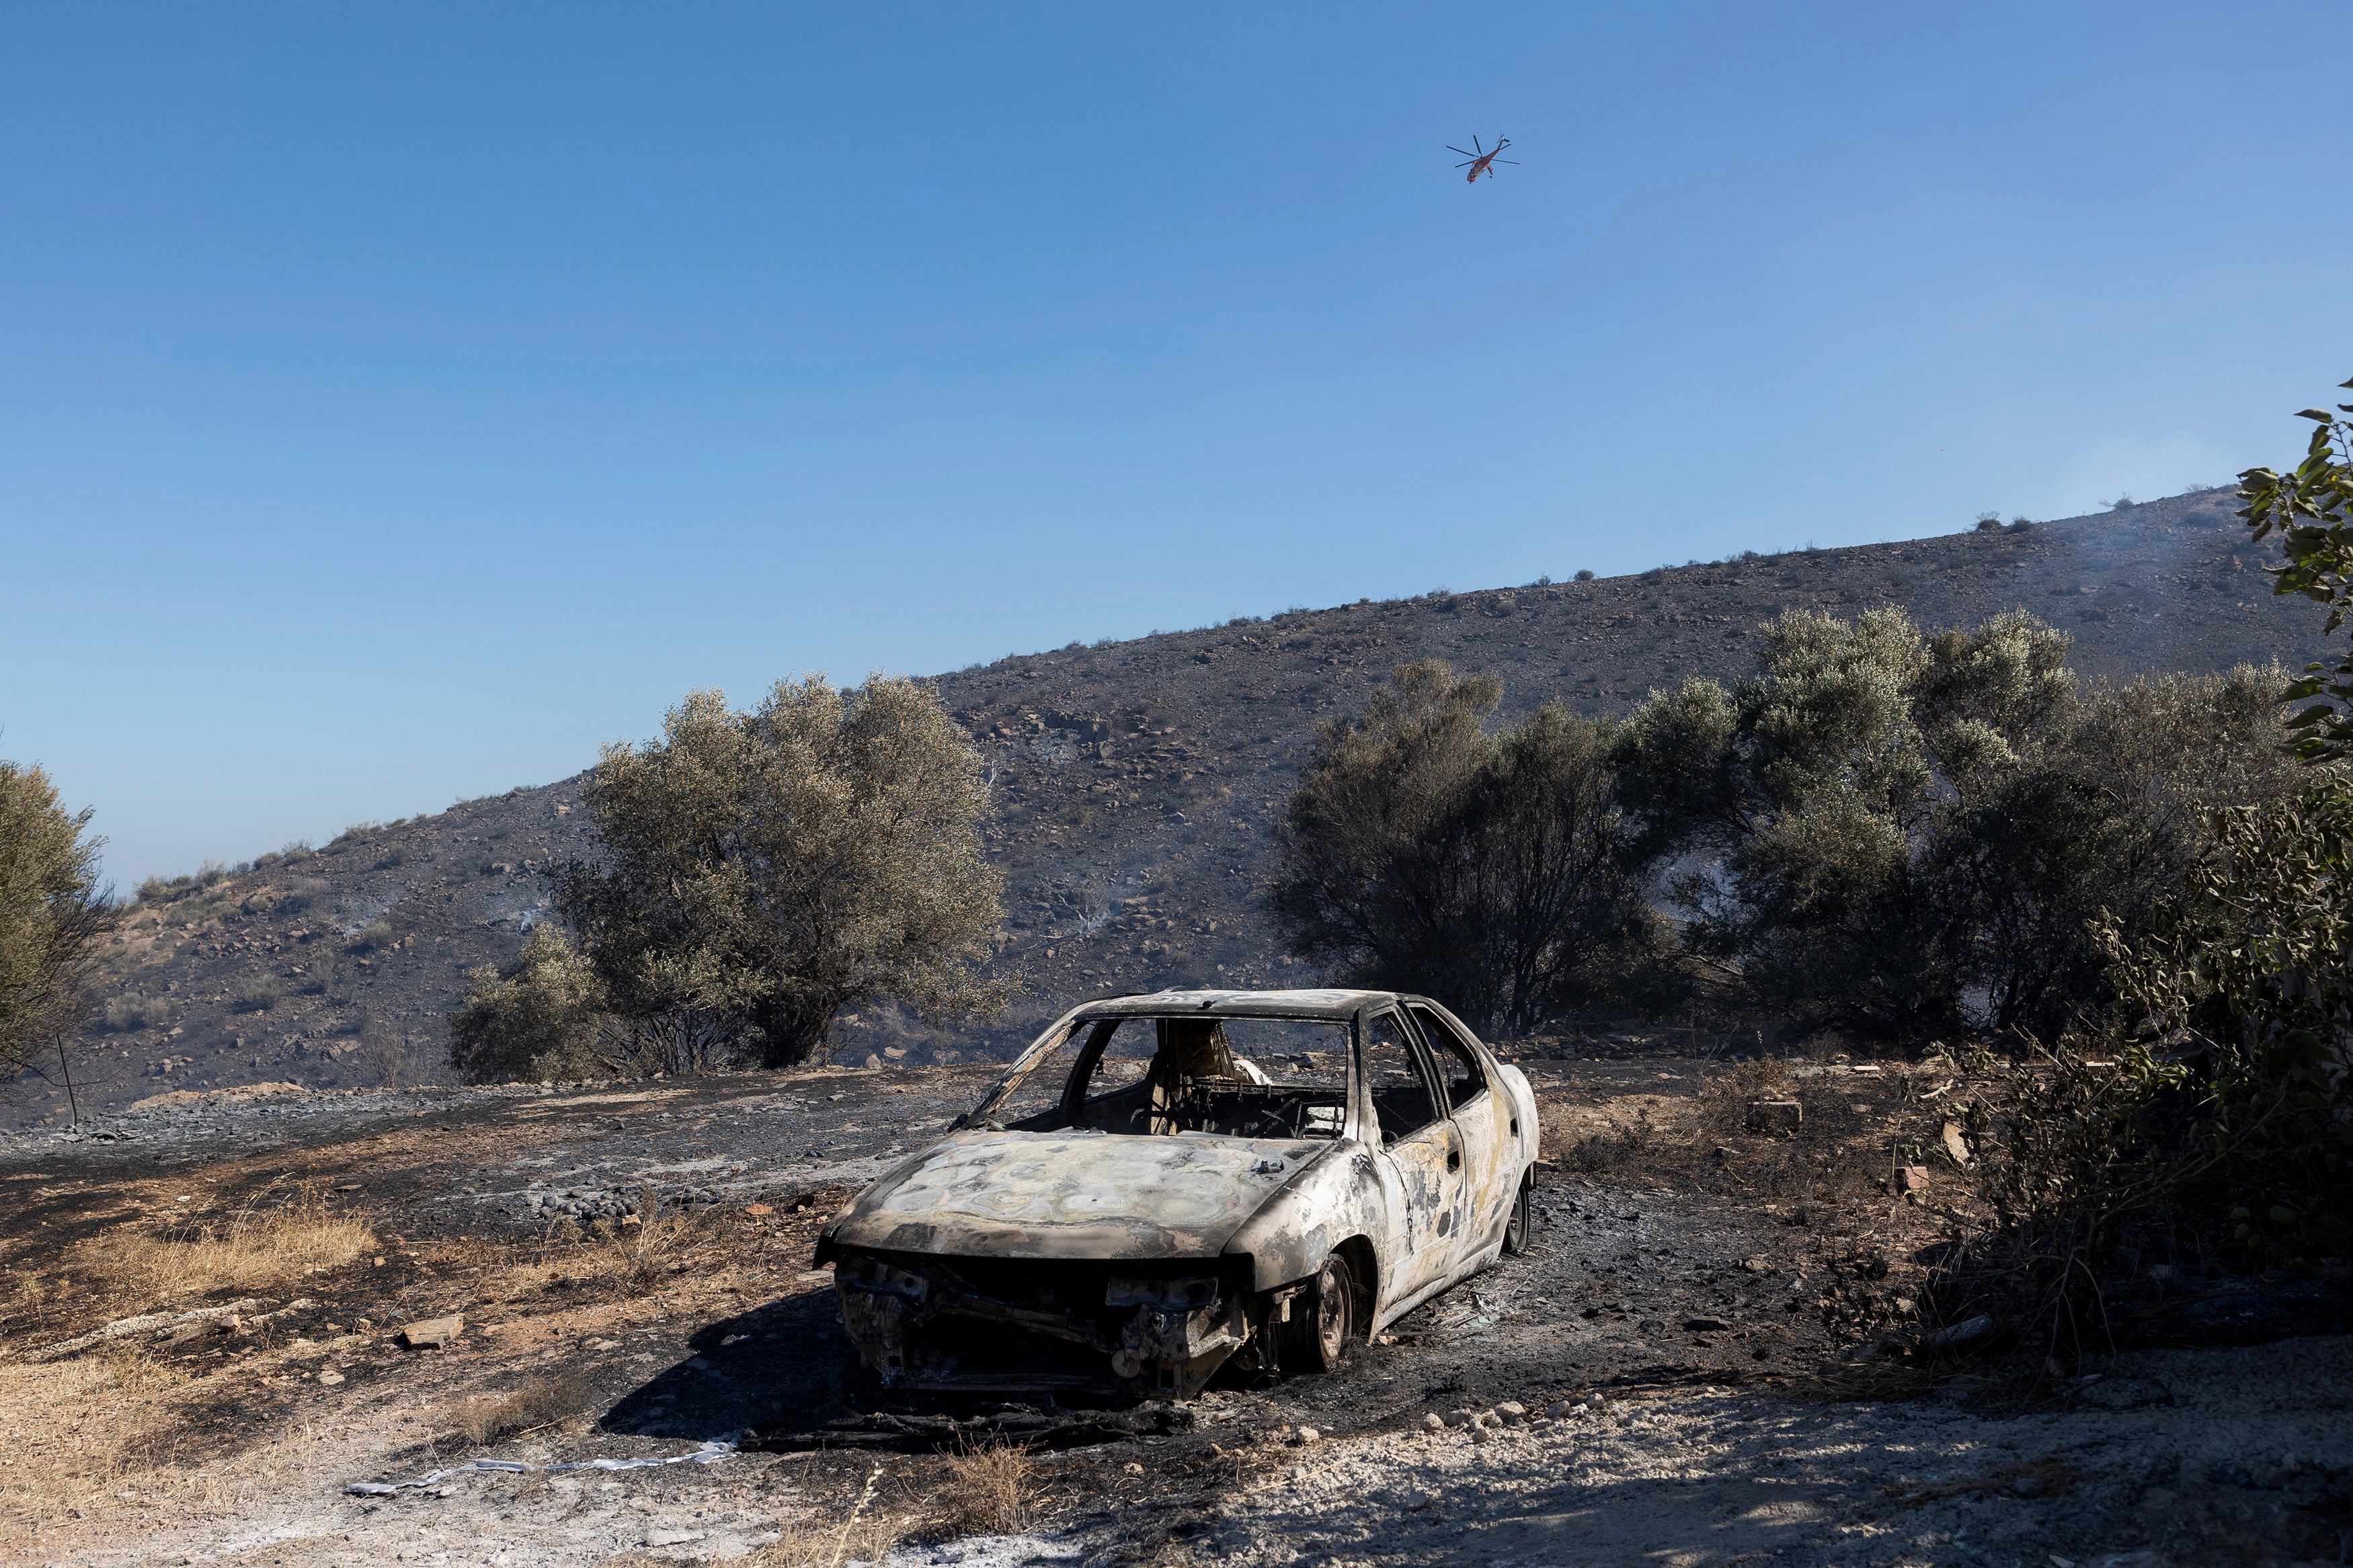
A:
x: 783, y: 1361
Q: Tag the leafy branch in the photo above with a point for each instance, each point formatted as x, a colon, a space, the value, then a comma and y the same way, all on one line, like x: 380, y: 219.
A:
x: 2311, y: 507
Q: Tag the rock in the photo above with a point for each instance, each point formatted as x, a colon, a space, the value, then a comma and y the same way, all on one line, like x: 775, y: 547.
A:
x: 1650, y: 1328
x: 604, y: 1344
x: 1480, y: 1435
x: 1131, y: 1468
x: 331, y: 1377
x: 1307, y: 1434
x: 1775, y: 1116
x: 1912, y: 1178
x: 1433, y: 1422
x: 433, y: 1333
x: 1705, y: 1325
x: 1967, y: 1332
x: 1954, y: 1144
x: 1562, y: 1409
x: 1512, y: 1413
x: 2027, y: 1486
x: 1462, y: 1418
x: 1417, y: 1501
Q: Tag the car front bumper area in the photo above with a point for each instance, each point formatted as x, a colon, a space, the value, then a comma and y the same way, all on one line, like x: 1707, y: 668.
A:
x: 982, y: 1325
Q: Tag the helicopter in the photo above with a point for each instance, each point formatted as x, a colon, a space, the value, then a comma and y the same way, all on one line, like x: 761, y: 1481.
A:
x: 1481, y: 163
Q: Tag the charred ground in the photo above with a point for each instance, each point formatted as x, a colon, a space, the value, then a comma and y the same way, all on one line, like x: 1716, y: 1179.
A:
x: 1707, y: 1283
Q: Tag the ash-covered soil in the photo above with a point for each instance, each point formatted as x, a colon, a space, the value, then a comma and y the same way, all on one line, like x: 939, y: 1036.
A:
x: 1692, y: 1293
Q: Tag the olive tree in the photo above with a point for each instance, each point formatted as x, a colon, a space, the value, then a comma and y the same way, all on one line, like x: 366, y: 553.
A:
x: 1491, y: 871
x: 758, y: 872
x: 53, y: 916
x: 1906, y: 836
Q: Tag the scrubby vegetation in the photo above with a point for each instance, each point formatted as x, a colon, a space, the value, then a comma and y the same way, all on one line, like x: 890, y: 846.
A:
x: 1496, y: 872
x: 1907, y: 838
x: 757, y: 873
x: 53, y: 915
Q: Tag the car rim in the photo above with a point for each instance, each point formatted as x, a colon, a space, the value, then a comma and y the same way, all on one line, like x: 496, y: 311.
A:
x: 1331, y: 1314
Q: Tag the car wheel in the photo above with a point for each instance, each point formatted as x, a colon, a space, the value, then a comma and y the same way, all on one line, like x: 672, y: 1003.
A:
x: 1522, y: 1225
x: 1322, y: 1317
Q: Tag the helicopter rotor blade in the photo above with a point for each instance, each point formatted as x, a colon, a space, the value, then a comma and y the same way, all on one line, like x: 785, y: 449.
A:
x: 1460, y: 149
x: 1514, y: 162
x: 1475, y: 141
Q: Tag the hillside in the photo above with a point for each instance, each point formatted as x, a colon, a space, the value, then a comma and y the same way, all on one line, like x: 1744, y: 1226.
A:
x: 1136, y: 780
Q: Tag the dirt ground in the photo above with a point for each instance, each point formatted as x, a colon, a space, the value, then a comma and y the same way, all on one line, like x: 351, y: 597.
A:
x: 630, y: 1266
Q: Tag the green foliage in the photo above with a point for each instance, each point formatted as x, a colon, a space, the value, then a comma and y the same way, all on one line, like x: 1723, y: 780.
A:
x: 2251, y: 974
x: 760, y: 872
x: 1909, y: 836
x: 2311, y: 509
x: 1492, y: 872
x: 542, y: 1017
x: 2209, y: 1117
x: 53, y: 915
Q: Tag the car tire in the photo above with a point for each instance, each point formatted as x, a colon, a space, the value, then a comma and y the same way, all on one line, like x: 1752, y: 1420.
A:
x: 1522, y: 1226
x: 1323, y: 1320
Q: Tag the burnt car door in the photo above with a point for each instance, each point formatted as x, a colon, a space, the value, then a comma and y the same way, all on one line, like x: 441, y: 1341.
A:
x: 1489, y: 1168
x: 1418, y: 1151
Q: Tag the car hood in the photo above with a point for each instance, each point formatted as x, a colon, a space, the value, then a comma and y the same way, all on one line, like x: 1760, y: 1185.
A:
x: 1059, y: 1195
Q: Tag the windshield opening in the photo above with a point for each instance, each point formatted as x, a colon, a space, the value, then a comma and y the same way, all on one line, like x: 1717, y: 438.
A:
x: 1186, y: 1073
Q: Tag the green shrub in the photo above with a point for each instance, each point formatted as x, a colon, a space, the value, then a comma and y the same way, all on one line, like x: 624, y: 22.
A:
x: 543, y: 1019
x: 53, y: 917
x: 1908, y: 838
x: 2209, y: 1118
x: 1495, y: 873
x: 759, y: 873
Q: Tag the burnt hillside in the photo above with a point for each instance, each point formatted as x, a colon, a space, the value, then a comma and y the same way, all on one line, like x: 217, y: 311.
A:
x: 1136, y: 782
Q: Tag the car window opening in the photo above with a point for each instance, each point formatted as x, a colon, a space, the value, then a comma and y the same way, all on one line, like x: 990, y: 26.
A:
x: 1178, y: 1073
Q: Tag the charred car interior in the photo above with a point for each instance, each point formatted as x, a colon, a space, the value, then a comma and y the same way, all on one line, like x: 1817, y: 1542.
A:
x: 1165, y: 1187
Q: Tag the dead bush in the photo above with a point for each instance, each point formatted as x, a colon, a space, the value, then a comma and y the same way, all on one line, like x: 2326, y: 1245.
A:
x: 254, y: 1248
x: 644, y: 1255
x: 1599, y: 1153
x: 539, y: 1402
x: 989, y: 1490
x: 1724, y: 1100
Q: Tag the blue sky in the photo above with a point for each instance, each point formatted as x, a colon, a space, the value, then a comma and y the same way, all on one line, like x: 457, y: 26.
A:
x: 398, y: 401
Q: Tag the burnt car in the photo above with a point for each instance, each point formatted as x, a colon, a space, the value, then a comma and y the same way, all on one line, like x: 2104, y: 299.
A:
x: 1163, y: 1185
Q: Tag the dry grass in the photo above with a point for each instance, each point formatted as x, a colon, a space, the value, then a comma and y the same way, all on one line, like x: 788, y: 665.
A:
x: 991, y: 1489
x: 99, y: 1436
x: 865, y: 1535
x: 643, y: 1257
x: 539, y: 1402
x: 255, y: 1248
x: 134, y: 1369
x: 638, y: 1258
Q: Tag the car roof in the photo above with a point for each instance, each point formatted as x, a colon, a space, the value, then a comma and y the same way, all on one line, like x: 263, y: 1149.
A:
x: 1335, y: 1004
